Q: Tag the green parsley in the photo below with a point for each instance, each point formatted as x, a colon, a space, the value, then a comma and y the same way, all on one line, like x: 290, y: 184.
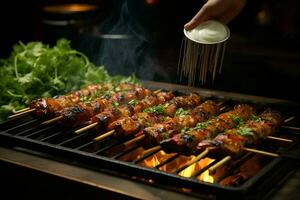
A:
x: 133, y: 102
x: 244, y: 131
x: 255, y: 118
x: 36, y: 70
x: 159, y: 109
x: 238, y: 120
x: 181, y: 111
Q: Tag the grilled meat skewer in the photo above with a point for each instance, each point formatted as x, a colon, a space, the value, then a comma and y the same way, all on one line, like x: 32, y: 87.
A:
x: 233, y: 141
x: 160, y: 131
x: 186, y: 142
x: 162, y: 109
x: 83, y: 111
x: 49, y: 107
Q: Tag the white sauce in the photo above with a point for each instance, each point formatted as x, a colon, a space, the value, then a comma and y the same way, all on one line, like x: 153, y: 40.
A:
x: 209, y: 32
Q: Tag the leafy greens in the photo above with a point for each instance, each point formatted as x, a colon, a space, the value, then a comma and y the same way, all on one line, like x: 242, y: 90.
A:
x: 36, y: 70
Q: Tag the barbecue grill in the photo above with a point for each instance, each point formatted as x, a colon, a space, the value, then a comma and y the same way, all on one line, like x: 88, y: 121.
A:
x: 146, y: 172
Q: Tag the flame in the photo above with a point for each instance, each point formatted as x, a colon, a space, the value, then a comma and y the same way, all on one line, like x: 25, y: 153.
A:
x: 188, y: 172
x: 160, y: 156
x: 152, y: 161
x: 206, y: 177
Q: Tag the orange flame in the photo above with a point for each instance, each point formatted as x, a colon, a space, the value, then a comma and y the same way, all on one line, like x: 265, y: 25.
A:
x: 160, y: 156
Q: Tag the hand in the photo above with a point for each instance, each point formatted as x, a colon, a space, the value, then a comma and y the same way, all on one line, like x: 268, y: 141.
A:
x: 221, y: 10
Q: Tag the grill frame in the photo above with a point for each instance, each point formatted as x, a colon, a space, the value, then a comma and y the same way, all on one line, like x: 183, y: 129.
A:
x: 119, y: 168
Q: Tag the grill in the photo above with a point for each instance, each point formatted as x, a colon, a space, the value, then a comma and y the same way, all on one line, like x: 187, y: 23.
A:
x: 128, y: 160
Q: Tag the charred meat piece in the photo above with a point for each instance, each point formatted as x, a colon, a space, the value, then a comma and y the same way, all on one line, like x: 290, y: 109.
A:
x: 187, y: 141
x: 72, y: 117
x: 233, y: 141
x: 183, y: 119
x: 49, y: 107
x: 152, y: 115
x: 120, y: 120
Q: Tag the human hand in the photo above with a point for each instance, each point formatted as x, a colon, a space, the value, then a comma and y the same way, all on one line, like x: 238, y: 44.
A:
x: 221, y: 10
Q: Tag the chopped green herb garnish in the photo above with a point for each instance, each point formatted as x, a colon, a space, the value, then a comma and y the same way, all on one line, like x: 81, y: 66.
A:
x: 181, y: 111
x: 133, y: 102
x: 115, y: 104
x: 184, y: 129
x: 159, y: 109
x: 238, y: 120
x: 165, y: 135
x: 255, y: 118
x: 245, y: 131
x: 201, y: 125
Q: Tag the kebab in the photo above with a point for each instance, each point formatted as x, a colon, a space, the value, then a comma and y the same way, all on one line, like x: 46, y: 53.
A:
x: 234, y: 141
x: 83, y: 111
x: 186, y: 141
x: 129, y: 126
x: 183, y: 119
x: 49, y: 107
x: 158, y: 111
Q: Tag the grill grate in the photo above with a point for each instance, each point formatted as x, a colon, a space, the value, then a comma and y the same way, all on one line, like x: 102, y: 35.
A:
x: 127, y: 157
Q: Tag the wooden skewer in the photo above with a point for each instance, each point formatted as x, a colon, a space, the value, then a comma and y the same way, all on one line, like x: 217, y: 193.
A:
x: 21, y: 113
x: 194, y: 160
x: 153, y: 149
x: 213, y: 168
x: 134, y: 140
x: 289, y: 119
x: 261, y: 152
x: 22, y: 110
x: 200, y: 156
x: 157, y: 91
x: 50, y: 121
x: 220, y: 103
x: 223, y: 108
x: 90, y: 126
x: 105, y: 135
x: 279, y: 139
x: 291, y: 128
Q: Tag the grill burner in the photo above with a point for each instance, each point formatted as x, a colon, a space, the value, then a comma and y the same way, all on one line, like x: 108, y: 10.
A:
x: 128, y: 159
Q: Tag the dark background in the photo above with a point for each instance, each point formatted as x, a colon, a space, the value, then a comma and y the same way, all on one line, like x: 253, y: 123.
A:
x: 262, y: 55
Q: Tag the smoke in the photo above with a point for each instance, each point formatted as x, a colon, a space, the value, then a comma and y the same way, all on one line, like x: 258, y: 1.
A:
x: 127, y: 43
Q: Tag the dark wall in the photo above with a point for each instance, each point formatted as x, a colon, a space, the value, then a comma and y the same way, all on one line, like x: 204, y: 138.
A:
x: 262, y: 56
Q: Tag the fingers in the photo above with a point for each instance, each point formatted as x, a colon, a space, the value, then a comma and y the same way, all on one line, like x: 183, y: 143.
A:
x: 222, y: 10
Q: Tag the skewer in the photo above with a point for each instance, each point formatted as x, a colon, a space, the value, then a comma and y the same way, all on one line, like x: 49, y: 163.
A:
x: 22, y: 110
x: 213, y: 168
x: 134, y: 140
x: 50, y: 121
x: 279, y: 139
x: 95, y: 124
x: 289, y: 119
x: 157, y: 91
x: 153, y: 149
x: 105, y: 135
x: 291, y: 128
x: 261, y: 152
x: 90, y: 126
x: 21, y: 113
x: 194, y: 160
